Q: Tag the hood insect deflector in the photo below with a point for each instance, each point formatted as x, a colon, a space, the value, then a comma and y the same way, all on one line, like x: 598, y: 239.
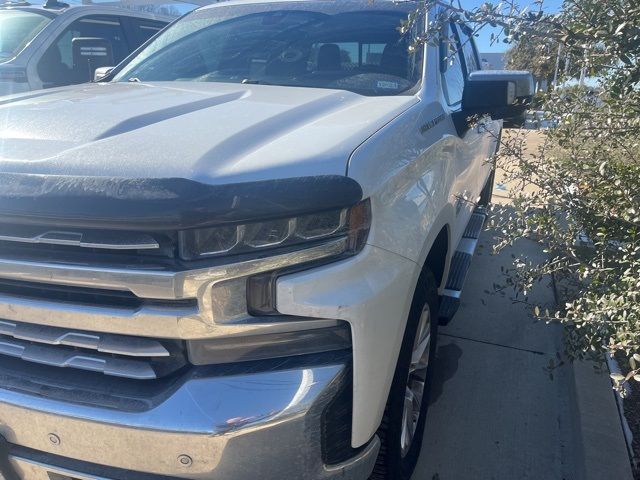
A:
x: 164, y: 204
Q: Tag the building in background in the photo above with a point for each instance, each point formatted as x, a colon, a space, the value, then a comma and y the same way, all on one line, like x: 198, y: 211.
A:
x: 492, y: 61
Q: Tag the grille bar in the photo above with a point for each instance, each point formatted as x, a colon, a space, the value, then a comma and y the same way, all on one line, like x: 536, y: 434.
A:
x: 101, y: 342
x: 69, y: 358
x: 108, y: 240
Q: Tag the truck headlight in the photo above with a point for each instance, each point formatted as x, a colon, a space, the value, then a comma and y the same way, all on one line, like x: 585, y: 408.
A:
x: 352, y: 223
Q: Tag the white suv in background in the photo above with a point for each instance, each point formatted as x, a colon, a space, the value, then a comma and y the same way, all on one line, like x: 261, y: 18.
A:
x: 37, y: 42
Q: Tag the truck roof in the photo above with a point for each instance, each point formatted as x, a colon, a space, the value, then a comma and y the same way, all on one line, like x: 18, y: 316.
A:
x: 409, y: 5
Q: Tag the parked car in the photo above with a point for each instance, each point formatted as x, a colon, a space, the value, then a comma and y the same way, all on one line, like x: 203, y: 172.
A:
x: 229, y: 259
x: 57, y: 44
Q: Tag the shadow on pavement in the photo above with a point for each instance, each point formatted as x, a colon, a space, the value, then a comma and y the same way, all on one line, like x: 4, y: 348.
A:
x: 446, y: 366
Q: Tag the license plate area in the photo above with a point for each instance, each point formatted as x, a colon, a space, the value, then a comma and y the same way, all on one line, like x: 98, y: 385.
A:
x: 28, y: 469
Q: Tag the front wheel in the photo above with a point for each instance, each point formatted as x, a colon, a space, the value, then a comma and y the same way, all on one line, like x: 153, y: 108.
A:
x: 403, y: 423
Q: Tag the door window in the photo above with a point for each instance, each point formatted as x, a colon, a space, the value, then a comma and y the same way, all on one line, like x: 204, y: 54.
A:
x: 56, y: 66
x: 143, y: 30
x: 453, y: 77
x: 468, y: 48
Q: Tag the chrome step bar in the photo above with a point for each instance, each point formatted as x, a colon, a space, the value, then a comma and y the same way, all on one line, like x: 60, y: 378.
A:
x: 460, y: 263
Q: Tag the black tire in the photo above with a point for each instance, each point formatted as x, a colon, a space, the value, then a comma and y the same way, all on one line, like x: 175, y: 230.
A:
x: 391, y: 464
x: 487, y: 192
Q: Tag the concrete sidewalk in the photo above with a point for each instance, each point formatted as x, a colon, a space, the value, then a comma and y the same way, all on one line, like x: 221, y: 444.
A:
x: 496, y: 411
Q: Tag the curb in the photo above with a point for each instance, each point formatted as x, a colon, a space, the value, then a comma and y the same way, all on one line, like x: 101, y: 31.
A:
x: 628, y: 435
x: 604, y: 445
x: 600, y: 420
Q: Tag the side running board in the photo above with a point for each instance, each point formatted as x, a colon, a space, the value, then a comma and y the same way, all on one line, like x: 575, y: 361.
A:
x: 460, y: 264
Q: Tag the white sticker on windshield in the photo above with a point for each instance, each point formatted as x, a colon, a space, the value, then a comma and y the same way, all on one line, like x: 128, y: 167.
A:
x: 388, y: 85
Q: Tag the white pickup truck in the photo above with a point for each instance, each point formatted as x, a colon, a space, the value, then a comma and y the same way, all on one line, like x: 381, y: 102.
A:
x: 229, y: 258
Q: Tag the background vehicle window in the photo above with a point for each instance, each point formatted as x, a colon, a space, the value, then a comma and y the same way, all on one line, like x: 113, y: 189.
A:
x: 143, y: 30
x: 453, y: 77
x: 56, y: 66
x: 17, y: 29
x: 468, y: 48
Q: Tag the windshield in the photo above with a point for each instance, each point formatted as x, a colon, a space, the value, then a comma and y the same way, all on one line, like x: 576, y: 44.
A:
x: 317, y: 45
x: 17, y: 29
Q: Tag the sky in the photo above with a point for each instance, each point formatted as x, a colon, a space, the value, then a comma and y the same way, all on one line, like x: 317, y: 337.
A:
x: 483, y: 40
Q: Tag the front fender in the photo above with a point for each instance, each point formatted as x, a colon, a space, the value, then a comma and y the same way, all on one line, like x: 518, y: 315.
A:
x: 372, y: 292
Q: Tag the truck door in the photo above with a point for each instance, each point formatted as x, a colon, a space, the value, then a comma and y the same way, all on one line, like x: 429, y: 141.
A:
x: 468, y: 150
x: 486, y: 130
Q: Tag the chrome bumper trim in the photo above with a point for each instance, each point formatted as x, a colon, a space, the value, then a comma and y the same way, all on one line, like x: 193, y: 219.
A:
x: 219, y: 291
x: 184, y: 323
x: 214, y: 422
x: 159, y: 284
x: 358, y: 468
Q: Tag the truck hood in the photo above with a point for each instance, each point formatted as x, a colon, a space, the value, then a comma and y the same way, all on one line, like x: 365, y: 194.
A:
x: 209, y: 133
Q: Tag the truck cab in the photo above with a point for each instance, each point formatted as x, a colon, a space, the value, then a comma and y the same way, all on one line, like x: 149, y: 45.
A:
x: 232, y: 261
x: 37, y: 42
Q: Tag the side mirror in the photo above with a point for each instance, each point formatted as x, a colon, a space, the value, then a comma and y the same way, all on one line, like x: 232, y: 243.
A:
x: 101, y: 73
x: 503, y: 94
x: 89, y: 54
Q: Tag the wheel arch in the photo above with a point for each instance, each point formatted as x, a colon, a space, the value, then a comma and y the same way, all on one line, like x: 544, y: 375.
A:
x: 438, y: 249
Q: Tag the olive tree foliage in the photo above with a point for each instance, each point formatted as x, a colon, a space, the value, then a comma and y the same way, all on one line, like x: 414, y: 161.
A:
x: 578, y: 193
x: 541, y: 59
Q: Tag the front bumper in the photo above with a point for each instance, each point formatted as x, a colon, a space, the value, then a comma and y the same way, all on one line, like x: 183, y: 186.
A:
x: 263, y: 424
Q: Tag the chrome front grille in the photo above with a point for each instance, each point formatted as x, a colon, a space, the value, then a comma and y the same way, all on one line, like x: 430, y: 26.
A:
x: 48, y: 322
x: 105, y: 240
x: 86, y: 245
x: 74, y: 304
x: 100, y: 342
x: 113, y: 355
